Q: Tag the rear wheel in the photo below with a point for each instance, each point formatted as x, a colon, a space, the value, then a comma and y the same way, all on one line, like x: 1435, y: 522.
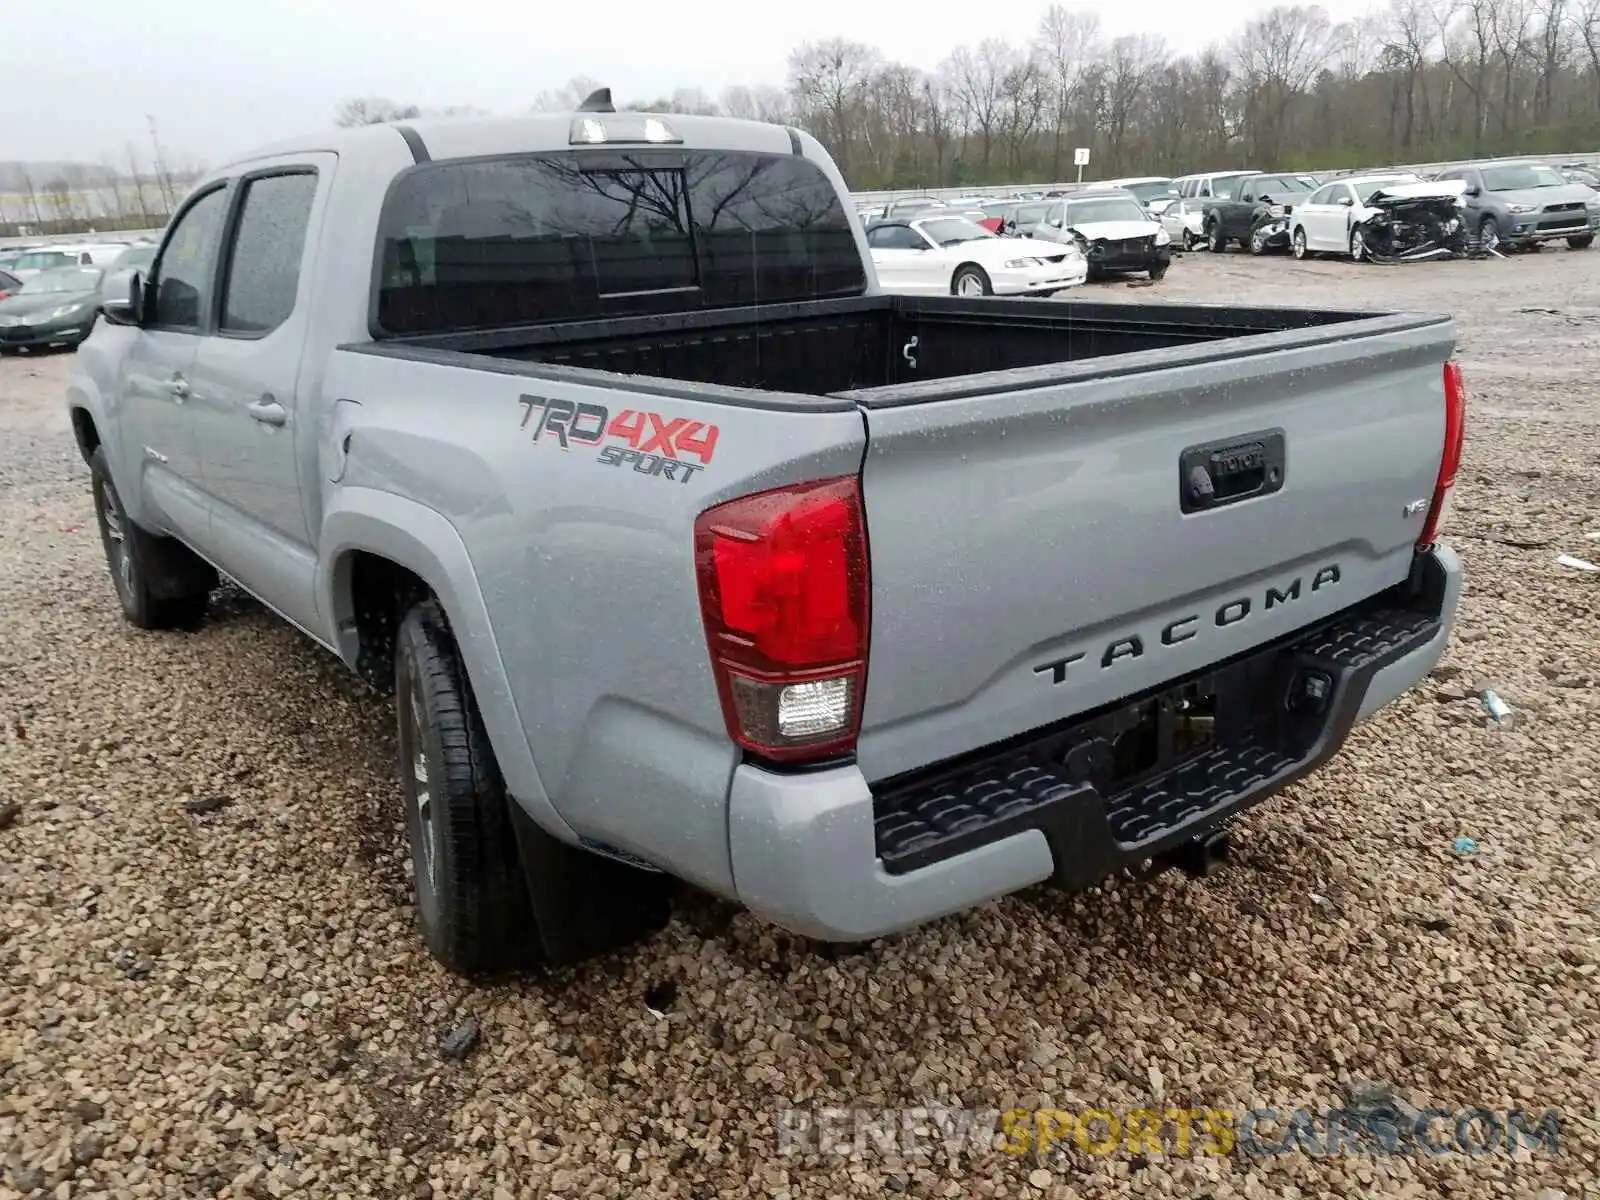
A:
x: 1581, y: 242
x: 971, y: 280
x: 472, y: 901
x: 160, y: 583
x: 494, y: 891
x: 1298, y: 242
x: 1158, y: 271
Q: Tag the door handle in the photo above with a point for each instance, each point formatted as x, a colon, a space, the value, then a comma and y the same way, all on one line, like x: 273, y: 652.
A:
x: 179, y: 387
x: 268, y: 411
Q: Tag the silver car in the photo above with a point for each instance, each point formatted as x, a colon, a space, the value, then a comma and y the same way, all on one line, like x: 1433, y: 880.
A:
x: 1517, y: 205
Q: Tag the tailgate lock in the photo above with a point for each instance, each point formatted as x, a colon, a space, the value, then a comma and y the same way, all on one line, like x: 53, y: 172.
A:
x: 1218, y: 473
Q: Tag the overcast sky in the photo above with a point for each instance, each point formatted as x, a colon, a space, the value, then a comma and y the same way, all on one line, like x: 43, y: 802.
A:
x: 220, y: 78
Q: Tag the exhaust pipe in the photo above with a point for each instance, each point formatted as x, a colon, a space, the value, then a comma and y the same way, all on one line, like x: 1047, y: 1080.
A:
x: 1200, y: 856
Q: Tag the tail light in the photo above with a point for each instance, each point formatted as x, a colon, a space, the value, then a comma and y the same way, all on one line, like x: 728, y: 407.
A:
x: 784, y: 592
x: 1455, y: 432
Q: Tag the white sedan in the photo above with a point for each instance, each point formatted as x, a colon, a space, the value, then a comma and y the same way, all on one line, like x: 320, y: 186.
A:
x: 954, y: 256
x: 1331, y: 219
x: 1184, y: 222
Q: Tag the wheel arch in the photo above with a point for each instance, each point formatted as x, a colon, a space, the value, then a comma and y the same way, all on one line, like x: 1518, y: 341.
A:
x: 380, y: 551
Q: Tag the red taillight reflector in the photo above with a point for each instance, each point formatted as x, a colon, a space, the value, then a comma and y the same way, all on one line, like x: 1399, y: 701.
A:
x: 1455, y: 434
x: 784, y: 593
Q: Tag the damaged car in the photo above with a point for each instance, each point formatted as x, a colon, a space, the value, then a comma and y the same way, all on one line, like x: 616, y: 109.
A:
x: 1416, y: 222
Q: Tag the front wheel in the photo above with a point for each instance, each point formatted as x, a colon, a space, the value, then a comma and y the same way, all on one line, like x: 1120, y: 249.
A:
x: 1297, y: 243
x: 1581, y: 242
x: 971, y: 280
x: 1215, y: 242
x: 1358, y: 244
x: 1489, y: 235
x: 160, y: 583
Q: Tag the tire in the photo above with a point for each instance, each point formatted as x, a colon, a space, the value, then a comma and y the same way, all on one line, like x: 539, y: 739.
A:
x: 1189, y: 241
x: 1215, y: 242
x: 472, y: 899
x: 1581, y: 242
x: 1158, y: 272
x: 160, y: 583
x: 495, y: 892
x: 1358, y: 245
x: 1488, y: 234
x: 971, y: 280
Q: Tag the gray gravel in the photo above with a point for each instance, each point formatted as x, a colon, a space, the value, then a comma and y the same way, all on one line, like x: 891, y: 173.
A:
x: 228, y: 999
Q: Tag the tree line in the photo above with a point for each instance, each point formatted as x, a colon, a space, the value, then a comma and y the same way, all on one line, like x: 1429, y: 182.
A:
x: 1413, y: 81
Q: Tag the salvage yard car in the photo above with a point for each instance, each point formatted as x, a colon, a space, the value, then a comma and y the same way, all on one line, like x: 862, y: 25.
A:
x: 686, y: 551
x: 1112, y: 230
x: 1332, y: 219
x: 949, y: 255
x: 54, y: 308
x: 1255, y: 202
x: 1516, y: 205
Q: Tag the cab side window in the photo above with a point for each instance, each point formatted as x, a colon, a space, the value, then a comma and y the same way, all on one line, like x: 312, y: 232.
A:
x: 187, y: 265
x: 263, y: 275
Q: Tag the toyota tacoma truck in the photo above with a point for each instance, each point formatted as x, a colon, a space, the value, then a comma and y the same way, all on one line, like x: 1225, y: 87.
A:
x: 690, y: 556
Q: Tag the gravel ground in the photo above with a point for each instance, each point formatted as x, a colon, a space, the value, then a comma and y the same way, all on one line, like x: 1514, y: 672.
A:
x: 233, y: 1003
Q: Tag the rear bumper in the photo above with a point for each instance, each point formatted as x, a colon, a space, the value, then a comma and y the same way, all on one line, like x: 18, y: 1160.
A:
x: 829, y: 856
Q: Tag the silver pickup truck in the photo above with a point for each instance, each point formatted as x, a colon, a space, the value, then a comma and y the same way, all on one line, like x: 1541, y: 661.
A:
x: 688, y: 555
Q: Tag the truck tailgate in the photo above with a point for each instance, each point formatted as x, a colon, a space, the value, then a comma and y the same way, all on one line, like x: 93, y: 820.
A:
x: 1031, y: 554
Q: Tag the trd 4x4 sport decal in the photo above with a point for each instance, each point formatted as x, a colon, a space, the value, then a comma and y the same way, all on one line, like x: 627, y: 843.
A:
x: 646, y: 441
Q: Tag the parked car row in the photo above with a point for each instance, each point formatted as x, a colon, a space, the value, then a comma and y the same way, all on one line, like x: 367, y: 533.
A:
x: 1485, y: 208
x: 1016, y: 248
x: 50, y: 296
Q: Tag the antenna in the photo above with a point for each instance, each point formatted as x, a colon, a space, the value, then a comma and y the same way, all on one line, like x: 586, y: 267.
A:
x: 598, y: 100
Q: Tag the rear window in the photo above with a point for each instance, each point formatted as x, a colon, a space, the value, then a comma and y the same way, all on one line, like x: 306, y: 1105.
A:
x: 535, y: 239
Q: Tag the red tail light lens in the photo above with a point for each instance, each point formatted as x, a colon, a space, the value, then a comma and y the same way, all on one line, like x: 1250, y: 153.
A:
x: 784, y: 593
x: 1455, y: 433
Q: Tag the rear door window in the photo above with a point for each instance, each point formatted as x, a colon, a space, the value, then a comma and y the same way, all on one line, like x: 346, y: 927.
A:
x: 574, y: 236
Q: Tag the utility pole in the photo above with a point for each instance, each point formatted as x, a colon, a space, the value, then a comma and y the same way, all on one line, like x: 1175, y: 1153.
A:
x: 163, y: 180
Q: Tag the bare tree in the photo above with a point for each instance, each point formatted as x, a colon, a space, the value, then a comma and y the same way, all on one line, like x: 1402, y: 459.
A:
x: 976, y: 79
x: 760, y: 103
x: 1066, y: 47
x: 566, y: 97
x: 1279, y: 54
x: 372, y: 110
x: 830, y: 79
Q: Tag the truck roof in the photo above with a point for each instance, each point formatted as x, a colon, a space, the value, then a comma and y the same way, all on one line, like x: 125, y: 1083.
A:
x: 467, y: 137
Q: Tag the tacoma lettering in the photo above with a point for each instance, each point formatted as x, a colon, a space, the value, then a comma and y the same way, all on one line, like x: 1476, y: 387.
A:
x: 1231, y: 612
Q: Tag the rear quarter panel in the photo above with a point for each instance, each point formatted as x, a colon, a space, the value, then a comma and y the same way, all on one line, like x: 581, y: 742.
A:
x: 586, y: 571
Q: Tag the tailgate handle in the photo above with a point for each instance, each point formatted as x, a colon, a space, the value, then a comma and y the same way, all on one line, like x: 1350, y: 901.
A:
x: 1217, y: 473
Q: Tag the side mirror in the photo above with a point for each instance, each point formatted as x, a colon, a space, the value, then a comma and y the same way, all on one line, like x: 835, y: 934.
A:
x: 1473, y: 190
x: 127, y: 308
x: 1347, y: 201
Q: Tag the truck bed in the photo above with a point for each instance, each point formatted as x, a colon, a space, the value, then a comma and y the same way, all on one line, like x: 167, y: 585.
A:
x: 879, y: 350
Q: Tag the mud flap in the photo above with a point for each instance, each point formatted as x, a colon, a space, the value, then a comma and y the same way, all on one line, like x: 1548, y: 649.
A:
x: 586, y: 905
